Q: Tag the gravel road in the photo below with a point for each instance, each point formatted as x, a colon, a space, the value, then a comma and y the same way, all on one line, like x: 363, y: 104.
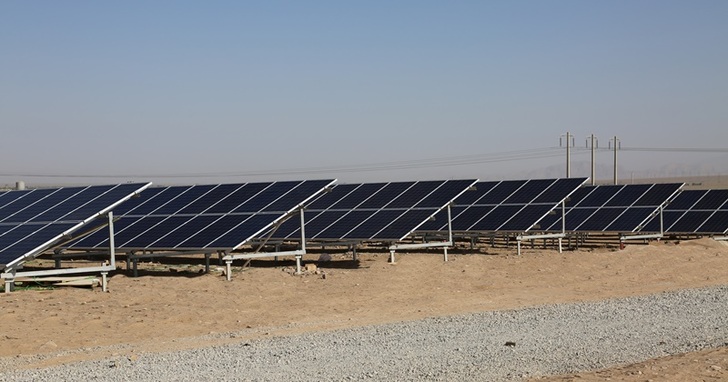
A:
x: 491, y: 346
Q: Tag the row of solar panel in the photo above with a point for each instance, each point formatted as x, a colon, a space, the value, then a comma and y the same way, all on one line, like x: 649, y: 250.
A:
x: 694, y: 211
x: 226, y: 216
x: 33, y: 220
x: 182, y: 218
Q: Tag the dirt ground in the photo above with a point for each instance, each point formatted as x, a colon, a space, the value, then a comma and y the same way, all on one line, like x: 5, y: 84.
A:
x: 173, y: 305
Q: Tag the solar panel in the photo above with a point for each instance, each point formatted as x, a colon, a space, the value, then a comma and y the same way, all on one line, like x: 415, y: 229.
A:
x: 33, y: 221
x: 613, y: 208
x: 210, y: 217
x: 694, y: 212
x: 374, y: 211
x: 514, y: 205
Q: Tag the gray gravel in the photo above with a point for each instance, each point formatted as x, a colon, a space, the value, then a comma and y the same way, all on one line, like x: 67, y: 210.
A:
x: 492, y: 346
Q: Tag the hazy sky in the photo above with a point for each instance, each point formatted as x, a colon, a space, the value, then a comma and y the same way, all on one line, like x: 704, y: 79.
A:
x: 215, y: 91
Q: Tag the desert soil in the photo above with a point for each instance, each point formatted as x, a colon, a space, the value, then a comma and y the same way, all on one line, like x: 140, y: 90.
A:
x: 172, y: 305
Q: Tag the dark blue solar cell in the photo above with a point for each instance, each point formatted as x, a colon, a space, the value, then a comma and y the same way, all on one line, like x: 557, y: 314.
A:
x: 386, y: 195
x: 689, y: 221
x: 628, y: 195
x: 103, y: 202
x: 529, y: 191
x: 27, y: 199
x: 686, y: 199
x: 526, y: 218
x: 353, y: 198
x: 330, y: 197
x: 100, y: 238
x: 582, y: 192
x: 658, y: 194
x: 601, y: 219
x: 49, y: 201
x: 242, y: 232
x: 713, y: 200
x: 446, y: 193
x: 17, y: 233
x: 179, y: 233
x: 630, y: 219
x: 501, y: 192
x: 8, y: 198
x: 472, y: 196
x: 559, y: 190
x: 404, y: 224
x: 292, y: 226
x: 269, y: 195
x: 343, y: 226
x: 204, y: 202
x: 149, y: 200
x: 549, y: 220
x: 496, y: 218
x: 368, y: 228
x: 598, y: 197
x: 575, y: 217
x: 316, y: 221
x: 297, y: 196
x: 132, y: 227
x: 716, y: 224
x: 668, y: 219
x: 416, y: 194
x: 439, y: 221
x: 29, y: 237
x: 185, y: 196
x: 463, y: 220
x: 161, y: 228
x: 217, y: 229
x: 237, y: 198
x: 75, y: 202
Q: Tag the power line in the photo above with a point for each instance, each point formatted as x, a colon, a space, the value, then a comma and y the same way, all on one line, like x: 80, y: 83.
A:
x: 381, y: 166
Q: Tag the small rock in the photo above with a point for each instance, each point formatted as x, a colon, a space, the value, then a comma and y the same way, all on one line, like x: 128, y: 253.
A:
x: 716, y: 367
x: 510, y: 343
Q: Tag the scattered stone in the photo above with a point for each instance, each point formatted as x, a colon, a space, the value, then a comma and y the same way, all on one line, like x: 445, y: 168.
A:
x: 310, y: 267
x: 510, y: 343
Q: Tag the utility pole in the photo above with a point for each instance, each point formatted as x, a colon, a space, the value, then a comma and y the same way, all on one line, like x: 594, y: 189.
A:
x: 594, y: 145
x: 617, y: 146
x: 569, y: 143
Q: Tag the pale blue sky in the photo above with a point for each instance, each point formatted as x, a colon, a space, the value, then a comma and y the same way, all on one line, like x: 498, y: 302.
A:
x: 142, y: 89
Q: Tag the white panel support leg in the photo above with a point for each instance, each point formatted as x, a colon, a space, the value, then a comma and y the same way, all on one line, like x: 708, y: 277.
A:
x: 298, y: 264
x: 9, y: 283
x: 391, y: 256
x: 561, y: 250
x: 445, y: 254
x: 229, y: 270
x: 104, y: 282
x: 519, y: 247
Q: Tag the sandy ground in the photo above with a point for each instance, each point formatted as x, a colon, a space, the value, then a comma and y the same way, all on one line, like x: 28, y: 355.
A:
x: 174, y: 306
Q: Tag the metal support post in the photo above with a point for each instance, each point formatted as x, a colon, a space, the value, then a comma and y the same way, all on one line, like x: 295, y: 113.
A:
x: 112, y: 245
x: 391, y: 256
x: 518, y: 245
x: 229, y: 270
x: 207, y: 262
x: 299, y: 257
x: 104, y: 282
x: 449, y: 228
